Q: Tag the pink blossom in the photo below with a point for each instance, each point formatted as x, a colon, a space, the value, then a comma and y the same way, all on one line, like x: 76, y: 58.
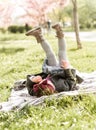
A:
x: 32, y: 12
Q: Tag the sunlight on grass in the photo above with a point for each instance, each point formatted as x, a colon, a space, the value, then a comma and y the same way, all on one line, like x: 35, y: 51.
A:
x: 21, y: 55
x: 22, y: 58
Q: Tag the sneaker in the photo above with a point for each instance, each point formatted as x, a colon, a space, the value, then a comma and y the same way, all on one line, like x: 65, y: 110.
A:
x: 59, y: 31
x: 56, y: 26
x: 33, y: 31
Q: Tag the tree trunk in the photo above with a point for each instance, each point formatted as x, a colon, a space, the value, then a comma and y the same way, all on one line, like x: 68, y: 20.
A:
x: 76, y: 24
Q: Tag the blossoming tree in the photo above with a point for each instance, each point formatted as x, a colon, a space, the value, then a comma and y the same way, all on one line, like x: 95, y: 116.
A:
x: 34, y: 12
x: 6, y: 10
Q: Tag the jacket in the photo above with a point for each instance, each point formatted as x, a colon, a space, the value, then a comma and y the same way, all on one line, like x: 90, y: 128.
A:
x: 63, y: 81
x: 56, y: 70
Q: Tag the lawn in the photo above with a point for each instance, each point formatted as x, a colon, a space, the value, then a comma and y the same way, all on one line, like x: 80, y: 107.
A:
x: 21, y: 55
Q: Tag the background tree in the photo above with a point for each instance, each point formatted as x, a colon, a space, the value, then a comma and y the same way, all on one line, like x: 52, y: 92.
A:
x: 6, y: 10
x: 39, y: 10
x: 36, y: 12
x: 76, y: 23
x: 32, y: 12
x: 11, y: 11
x: 61, y: 15
x: 87, y: 13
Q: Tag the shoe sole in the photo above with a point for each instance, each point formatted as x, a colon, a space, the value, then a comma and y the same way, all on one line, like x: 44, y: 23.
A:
x: 30, y: 31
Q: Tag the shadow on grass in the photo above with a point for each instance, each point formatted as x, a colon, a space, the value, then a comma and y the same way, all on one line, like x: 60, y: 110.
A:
x: 10, y: 50
x: 73, y: 49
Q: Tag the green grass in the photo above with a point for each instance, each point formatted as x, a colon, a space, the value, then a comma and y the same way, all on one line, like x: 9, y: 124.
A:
x: 19, y: 58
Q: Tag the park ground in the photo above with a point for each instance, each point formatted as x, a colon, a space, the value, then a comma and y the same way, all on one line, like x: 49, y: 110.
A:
x: 21, y: 55
x: 84, y: 36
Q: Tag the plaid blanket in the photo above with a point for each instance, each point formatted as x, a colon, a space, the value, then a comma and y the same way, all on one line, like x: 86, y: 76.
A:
x: 19, y: 97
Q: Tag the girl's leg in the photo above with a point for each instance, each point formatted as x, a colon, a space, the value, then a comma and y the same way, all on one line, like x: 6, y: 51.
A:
x: 45, y: 45
x: 62, y: 54
x: 49, y: 53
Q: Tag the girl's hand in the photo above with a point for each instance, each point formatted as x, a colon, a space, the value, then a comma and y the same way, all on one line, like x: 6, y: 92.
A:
x: 37, y: 79
x: 65, y: 64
